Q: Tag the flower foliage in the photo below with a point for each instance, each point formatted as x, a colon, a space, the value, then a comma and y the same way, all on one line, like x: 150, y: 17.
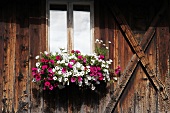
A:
x: 60, y: 69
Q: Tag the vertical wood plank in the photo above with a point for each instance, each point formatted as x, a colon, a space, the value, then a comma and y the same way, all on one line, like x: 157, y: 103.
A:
x: 22, y: 60
x: 35, y: 46
x: 2, y: 55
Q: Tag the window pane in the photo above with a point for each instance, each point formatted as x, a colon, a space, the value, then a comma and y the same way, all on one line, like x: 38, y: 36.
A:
x: 58, y: 28
x: 82, y: 40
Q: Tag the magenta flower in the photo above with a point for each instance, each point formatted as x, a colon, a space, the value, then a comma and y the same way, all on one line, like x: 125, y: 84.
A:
x: 101, y: 78
x: 58, y: 57
x: 72, y: 61
x: 38, y: 78
x: 64, y: 70
x: 84, y: 60
x: 77, y: 51
x: 73, y: 79
x: 101, y: 57
x: 44, y: 67
x: 51, y: 87
x: 42, y: 72
x: 34, y: 69
x: 69, y: 65
x: 79, y: 79
x: 51, y: 61
x: 50, y: 70
x: 80, y: 57
x: 44, y: 60
x: 117, y: 70
x: 98, y: 68
x: 34, y: 73
x: 47, y: 83
x: 72, y: 51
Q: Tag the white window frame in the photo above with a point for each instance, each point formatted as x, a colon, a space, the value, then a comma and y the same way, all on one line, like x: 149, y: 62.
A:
x: 70, y: 3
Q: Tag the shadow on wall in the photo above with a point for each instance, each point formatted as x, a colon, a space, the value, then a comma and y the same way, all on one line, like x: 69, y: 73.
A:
x: 71, y: 98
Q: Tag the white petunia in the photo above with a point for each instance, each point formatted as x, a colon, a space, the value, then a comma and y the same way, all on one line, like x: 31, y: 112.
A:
x: 58, y: 62
x: 80, y: 83
x: 103, y: 65
x: 59, y: 72
x: 82, y: 67
x: 88, y: 67
x: 53, y: 53
x: 54, y: 78
x: 93, y: 87
x: 97, y: 82
x: 65, y: 79
x: 33, y: 80
x: 57, y: 68
x: 110, y: 42
x: 37, y: 57
x: 115, y: 78
x: 53, y: 69
x: 89, y: 77
x: 37, y: 64
x: 68, y: 83
x: 107, y: 66
x: 45, y: 52
x: 107, y: 47
x: 60, y: 79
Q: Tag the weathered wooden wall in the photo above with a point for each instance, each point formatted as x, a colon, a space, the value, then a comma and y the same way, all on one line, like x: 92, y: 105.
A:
x: 23, y: 35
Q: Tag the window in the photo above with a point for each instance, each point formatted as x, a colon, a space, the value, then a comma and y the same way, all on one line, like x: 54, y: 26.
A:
x: 70, y: 26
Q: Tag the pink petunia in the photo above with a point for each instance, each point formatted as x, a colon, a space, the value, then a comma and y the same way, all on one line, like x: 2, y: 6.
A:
x: 73, y: 79
x: 101, y: 78
x: 80, y: 57
x: 98, y: 68
x: 77, y: 51
x: 44, y: 60
x: 64, y: 70
x: 38, y: 78
x: 50, y: 70
x: 34, y: 73
x: 84, y: 60
x: 72, y: 51
x: 34, y: 69
x: 44, y: 67
x: 51, y: 87
x: 69, y: 65
x: 47, y: 83
x: 72, y: 61
x: 101, y: 57
x: 79, y: 79
x: 51, y: 61
x: 58, y: 57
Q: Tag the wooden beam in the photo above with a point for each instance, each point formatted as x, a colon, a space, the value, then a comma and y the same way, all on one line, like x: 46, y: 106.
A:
x: 134, y: 60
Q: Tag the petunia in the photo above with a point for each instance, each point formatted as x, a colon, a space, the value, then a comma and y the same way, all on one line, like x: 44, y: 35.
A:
x: 101, y: 56
x: 51, y: 61
x: 69, y: 65
x: 79, y: 78
x: 77, y: 51
x: 54, y: 78
x: 38, y: 78
x: 72, y: 51
x: 80, y: 57
x: 64, y: 70
x: 98, y: 68
x: 51, y: 87
x: 73, y: 79
x: 34, y: 69
x: 47, y: 83
x: 50, y: 70
x: 58, y: 57
x: 37, y: 57
x: 44, y: 67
